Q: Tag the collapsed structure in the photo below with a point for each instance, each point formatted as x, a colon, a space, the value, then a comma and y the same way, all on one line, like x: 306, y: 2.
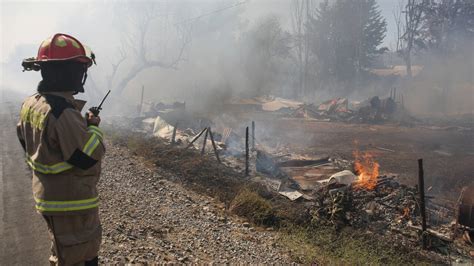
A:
x: 335, y: 191
x: 372, y: 110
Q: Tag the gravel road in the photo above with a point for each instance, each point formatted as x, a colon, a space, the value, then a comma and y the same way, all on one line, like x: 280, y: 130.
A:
x: 149, y: 218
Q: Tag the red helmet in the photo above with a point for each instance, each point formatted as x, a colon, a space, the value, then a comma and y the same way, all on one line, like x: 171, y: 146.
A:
x: 60, y: 47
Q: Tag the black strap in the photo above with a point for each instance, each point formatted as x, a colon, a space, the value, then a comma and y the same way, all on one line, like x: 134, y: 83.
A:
x: 85, y: 77
x: 81, y: 160
x: 92, y: 262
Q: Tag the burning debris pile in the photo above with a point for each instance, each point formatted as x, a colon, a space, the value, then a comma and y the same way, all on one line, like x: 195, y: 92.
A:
x: 366, y: 200
x: 389, y: 209
x: 381, y: 203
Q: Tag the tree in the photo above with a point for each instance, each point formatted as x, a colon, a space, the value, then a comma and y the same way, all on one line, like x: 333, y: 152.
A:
x: 374, y: 29
x: 408, y: 21
x: 266, y: 46
x: 302, y: 11
x: 138, y: 46
x: 321, y: 35
x: 448, y: 25
x: 346, y: 37
x: 447, y: 35
x: 441, y: 26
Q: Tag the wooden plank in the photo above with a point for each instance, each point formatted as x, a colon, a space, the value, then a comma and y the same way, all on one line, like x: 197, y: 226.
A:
x: 214, y: 144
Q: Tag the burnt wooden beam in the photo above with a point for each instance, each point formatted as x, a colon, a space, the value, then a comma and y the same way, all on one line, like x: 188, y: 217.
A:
x: 253, y: 135
x: 173, y: 137
x: 204, y: 142
x: 421, y: 188
x: 213, y: 144
x: 247, y: 155
x: 195, y: 138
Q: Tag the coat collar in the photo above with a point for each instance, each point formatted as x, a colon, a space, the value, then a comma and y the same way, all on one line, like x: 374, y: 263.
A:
x: 68, y: 95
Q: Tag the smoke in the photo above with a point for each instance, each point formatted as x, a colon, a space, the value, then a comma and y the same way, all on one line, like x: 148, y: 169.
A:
x: 445, y: 87
x: 203, y: 53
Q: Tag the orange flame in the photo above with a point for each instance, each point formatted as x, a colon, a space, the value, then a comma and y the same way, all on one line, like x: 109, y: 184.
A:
x: 367, y: 169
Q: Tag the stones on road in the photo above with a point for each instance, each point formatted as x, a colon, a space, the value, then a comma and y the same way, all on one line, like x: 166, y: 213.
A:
x: 147, y: 218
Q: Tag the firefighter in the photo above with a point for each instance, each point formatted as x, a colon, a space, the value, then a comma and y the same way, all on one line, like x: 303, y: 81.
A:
x: 64, y: 150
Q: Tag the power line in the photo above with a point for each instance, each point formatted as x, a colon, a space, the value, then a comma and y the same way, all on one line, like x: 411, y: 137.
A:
x: 213, y: 12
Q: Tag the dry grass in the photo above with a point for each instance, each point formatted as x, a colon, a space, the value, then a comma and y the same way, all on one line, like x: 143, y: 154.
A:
x: 323, y: 245
x: 251, y: 205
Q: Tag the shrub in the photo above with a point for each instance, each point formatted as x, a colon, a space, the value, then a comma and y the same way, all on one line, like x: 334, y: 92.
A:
x: 251, y: 205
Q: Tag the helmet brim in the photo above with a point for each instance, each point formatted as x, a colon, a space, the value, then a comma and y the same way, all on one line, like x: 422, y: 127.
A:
x: 34, y: 64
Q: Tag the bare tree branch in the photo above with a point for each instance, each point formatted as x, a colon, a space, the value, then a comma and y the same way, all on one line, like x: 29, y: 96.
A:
x: 115, y: 67
x: 397, y: 15
x: 413, y: 12
x: 138, y: 39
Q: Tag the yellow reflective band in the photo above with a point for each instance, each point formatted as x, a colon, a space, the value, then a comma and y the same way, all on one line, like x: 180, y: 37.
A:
x: 48, y: 169
x: 61, y: 206
x: 65, y: 209
x: 91, y: 145
x: 93, y: 141
x: 97, y: 133
x: 96, y: 130
x: 57, y: 168
x: 67, y: 202
x: 36, y: 119
x: 94, y: 127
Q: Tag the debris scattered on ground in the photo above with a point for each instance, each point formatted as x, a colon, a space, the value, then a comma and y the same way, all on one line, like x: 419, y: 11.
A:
x: 373, y: 110
x: 267, y: 103
x: 291, y: 194
x: 329, y: 188
x: 280, y: 104
x: 151, y: 109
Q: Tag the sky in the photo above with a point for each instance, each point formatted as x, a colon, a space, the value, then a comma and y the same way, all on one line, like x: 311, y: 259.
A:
x: 28, y: 22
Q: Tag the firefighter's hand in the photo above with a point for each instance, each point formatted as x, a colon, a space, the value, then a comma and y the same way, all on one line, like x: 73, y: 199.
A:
x: 92, y: 120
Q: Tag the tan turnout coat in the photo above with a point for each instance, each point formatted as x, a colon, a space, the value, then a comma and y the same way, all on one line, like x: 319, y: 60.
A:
x: 63, y: 152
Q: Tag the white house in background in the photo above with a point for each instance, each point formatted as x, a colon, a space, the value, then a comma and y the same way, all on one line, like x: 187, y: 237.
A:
x: 398, y: 70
